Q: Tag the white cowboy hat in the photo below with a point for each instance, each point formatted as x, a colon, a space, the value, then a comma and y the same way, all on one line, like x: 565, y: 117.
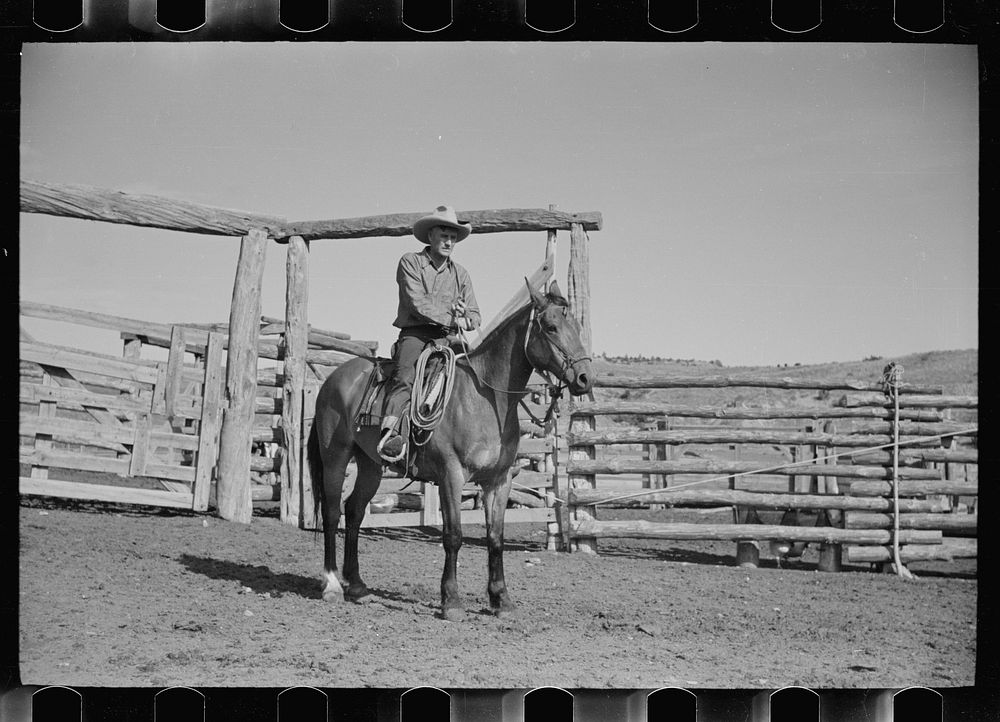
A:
x: 442, y: 216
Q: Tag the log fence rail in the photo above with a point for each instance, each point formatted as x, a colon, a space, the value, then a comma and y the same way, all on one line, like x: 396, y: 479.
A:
x: 849, y: 493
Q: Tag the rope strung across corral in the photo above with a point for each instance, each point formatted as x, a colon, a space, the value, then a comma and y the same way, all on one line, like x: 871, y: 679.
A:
x: 891, y: 375
x: 648, y: 492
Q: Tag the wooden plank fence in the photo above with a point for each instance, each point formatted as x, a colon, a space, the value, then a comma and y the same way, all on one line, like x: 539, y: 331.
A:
x: 72, y: 420
x: 850, y: 494
x: 143, y: 431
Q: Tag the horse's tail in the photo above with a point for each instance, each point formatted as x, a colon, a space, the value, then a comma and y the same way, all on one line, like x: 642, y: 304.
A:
x: 314, y: 458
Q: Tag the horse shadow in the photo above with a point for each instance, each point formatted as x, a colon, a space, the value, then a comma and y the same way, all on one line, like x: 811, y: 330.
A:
x: 258, y: 578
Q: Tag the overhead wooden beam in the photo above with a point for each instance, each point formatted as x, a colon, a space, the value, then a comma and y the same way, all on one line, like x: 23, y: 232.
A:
x: 111, y: 206
x: 401, y: 224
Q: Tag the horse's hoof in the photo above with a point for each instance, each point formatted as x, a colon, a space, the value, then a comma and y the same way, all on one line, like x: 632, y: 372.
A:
x: 501, y: 605
x: 453, y: 614
x: 358, y: 594
x: 505, y: 612
x: 333, y: 589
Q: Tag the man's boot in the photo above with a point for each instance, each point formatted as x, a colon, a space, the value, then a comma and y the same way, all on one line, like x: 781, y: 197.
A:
x: 391, y: 445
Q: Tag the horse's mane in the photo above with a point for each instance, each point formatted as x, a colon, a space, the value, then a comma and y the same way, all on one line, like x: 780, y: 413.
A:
x: 498, y: 327
x: 517, y: 305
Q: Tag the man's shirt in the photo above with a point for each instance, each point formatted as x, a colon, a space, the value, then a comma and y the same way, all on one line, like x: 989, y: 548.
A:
x: 426, y: 293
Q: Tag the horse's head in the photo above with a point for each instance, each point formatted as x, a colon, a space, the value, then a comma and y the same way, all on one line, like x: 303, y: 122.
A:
x: 553, y: 341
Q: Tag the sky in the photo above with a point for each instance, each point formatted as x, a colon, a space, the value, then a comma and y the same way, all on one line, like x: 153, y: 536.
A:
x: 762, y: 203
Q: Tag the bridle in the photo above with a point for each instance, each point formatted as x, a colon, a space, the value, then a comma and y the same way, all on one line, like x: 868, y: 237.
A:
x: 569, y: 362
x: 550, y: 422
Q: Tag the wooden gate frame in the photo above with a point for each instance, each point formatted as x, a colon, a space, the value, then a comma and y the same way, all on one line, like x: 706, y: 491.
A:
x: 233, y: 495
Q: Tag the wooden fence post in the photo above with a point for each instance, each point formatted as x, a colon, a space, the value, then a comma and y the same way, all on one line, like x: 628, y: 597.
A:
x: 648, y: 454
x: 131, y: 350
x: 550, y: 241
x: 233, y: 488
x: 131, y: 347
x: 659, y: 453
x: 430, y: 511
x: 43, y: 442
x: 310, y: 520
x: 747, y: 552
x: 294, y: 504
x: 581, y: 481
x: 830, y: 554
x: 578, y: 293
x: 208, y: 426
x: 175, y: 368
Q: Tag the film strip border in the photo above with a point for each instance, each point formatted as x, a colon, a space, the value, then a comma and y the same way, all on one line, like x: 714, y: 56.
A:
x: 428, y: 704
x: 557, y: 20
x: 687, y: 20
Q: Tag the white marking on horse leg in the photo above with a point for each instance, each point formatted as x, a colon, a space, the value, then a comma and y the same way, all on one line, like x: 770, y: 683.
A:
x: 333, y: 590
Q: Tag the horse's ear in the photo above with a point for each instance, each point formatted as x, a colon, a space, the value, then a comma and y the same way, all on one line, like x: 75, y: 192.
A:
x: 554, y: 293
x: 537, y: 298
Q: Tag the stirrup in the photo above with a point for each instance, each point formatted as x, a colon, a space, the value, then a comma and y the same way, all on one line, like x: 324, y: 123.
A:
x: 389, y: 457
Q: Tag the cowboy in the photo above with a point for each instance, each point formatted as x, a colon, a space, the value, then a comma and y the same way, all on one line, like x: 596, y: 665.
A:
x: 435, y: 300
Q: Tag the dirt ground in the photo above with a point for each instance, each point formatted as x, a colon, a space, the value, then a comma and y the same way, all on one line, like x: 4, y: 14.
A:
x: 116, y: 597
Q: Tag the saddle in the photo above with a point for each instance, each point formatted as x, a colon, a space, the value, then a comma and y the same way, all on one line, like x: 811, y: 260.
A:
x: 379, y: 381
x: 370, y: 410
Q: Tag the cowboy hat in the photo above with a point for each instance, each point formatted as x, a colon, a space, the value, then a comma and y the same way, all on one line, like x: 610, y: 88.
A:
x: 442, y: 216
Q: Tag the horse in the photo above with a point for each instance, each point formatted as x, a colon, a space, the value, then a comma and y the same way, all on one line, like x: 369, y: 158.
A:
x: 475, y: 441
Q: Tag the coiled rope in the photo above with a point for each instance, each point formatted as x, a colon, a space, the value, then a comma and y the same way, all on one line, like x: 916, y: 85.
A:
x: 427, y: 403
x: 890, y: 382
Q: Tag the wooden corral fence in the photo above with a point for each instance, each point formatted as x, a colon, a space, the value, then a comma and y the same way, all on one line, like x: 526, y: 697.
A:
x: 286, y: 392
x: 140, y: 431
x: 832, y: 473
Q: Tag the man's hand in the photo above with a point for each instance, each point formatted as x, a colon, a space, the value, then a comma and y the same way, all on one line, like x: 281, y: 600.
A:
x: 461, y: 323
